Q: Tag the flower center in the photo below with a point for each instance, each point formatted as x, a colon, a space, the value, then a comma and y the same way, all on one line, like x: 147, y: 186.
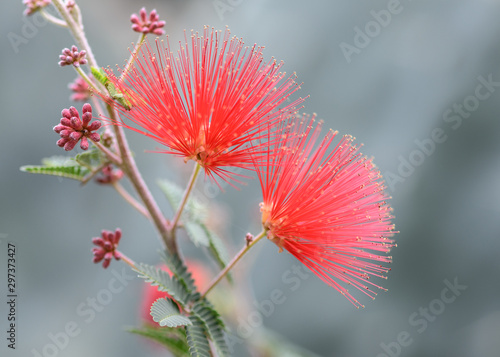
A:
x: 270, y: 226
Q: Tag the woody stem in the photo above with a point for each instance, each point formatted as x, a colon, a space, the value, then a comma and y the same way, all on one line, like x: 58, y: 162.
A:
x: 130, y: 168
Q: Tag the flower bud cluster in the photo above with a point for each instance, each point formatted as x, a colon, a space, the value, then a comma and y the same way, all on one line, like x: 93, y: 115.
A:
x: 33, y: 6
x: 106, y: 247
x: 72, y: 57
x: 147, y: 25
x: 72, y: 129
x: 109, y: 175
x: 80, y: 89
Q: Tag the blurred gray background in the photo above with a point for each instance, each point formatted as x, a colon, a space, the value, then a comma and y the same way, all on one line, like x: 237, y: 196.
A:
x: 416, y: 79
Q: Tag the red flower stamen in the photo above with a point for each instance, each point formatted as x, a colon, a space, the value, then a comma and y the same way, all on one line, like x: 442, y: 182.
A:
x: 207, y: 103
x: 327, y: 208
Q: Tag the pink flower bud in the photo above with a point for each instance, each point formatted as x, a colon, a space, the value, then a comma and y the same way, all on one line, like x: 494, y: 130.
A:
x: 87, y: 108
x: 58, y: 128
x: 84, y: 144
x: 66, y: 113
x: 86, y: 118
x: 65, y: 133
x: 66, y: 121
x: 94, y: 126
x: 76, y: 135
x: 95, y: 137
x: 62, y: 142
x: 70, y: 145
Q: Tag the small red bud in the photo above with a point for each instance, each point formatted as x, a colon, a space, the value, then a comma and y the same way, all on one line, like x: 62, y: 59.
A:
x: 76, y: 135
x: 66, y: 113
x: 84, y: 144
x: 87, y: 108
x: 70, y: 145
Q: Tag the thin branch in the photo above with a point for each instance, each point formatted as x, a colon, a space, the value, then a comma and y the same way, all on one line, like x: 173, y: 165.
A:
x: 87, y: 79
x: 131, y: 200
x: 53, y: 19
x: 133, y: 56
x: 92, y: 174
x: 235, y: 259
x: 115, y: 159
x: 127, y: 260
x: 185, y: 198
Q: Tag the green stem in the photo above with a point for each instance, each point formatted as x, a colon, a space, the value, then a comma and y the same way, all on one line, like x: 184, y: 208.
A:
x: 92, y: 173
x: 127, y: 260
x: 185, y: 198
x: 86, y: 79
x: 235, y: 259
x: 133, y: 57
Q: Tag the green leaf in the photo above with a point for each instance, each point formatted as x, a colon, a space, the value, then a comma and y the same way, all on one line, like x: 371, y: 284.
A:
x: 173, y: 339
x: 89, y: 158
x: 74, y: 172
x: 180, y: 271
x: 196, y: 233
x: 194, y: 210
x: 213, y: 324
x: 99, y: 74
x: 64, y: 166
x: 166, y: 313
x: 161, y: 279
x: 119, y: 97
x: 197, y: 339
x: 57, y: 160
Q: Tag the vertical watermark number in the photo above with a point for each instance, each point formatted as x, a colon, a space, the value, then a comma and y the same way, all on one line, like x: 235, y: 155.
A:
x: 11, y: 295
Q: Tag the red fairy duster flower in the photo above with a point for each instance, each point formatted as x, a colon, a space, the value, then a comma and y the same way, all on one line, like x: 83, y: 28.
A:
x: 327, y: 208
x: 207, y: 102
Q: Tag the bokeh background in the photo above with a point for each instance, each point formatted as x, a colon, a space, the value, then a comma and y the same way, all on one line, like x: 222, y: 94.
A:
x: 416, y: 74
